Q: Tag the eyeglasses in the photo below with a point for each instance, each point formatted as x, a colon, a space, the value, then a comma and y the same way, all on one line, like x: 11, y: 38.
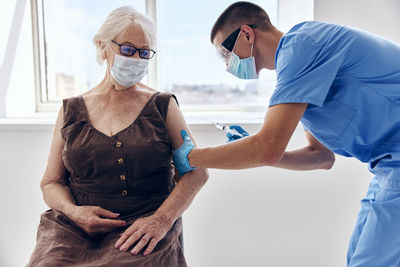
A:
x: 130, y: 50
x: 225, y: 48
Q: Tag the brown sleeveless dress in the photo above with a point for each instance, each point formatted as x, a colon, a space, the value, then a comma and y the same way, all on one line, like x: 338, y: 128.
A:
x: 130, y: 173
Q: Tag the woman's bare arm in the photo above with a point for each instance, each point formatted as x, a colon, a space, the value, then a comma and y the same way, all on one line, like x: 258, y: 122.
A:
x: 55, y: 191
x: 58, y: 197
x: 189, y: 184
x: 150, y: 230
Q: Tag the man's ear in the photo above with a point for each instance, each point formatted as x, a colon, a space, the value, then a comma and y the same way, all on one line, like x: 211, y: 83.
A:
x: 248, y: 32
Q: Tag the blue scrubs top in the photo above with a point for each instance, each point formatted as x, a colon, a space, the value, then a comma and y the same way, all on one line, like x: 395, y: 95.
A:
x: 351, y: 80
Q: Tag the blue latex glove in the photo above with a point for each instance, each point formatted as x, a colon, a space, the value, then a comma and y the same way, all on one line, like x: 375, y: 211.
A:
x: 180, y: 155
x: 240, y: 133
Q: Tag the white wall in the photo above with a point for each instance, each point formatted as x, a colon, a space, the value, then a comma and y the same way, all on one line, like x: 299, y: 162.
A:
x: 378, y: 16
x: 258, y: 217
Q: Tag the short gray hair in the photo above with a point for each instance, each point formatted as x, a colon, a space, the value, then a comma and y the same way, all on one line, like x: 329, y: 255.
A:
x: 118, y: 21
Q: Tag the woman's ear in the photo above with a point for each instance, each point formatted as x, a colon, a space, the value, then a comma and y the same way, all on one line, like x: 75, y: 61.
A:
x: 102, y: 47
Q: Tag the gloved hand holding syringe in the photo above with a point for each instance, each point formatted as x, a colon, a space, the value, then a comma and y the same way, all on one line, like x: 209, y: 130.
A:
x: 233, y: 132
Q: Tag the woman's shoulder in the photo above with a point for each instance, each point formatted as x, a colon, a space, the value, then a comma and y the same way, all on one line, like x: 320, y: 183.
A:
x: 158, y: 95
x: 71, y: 98
x: 161, y: 102
x: 70, y: 103
x: 73, y: 110
x: 89, y: 93
x: 145, y: 89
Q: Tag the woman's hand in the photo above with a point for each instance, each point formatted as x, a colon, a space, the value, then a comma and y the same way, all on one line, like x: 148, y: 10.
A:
x: 145, y: 231
x: 94, y: 219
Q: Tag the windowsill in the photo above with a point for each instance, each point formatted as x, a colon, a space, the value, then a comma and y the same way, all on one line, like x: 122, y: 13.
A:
x: 196, y: 120
x: 32, y: 123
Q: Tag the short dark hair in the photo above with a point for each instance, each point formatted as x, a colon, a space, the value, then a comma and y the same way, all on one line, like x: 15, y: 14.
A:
x: 238, y: 14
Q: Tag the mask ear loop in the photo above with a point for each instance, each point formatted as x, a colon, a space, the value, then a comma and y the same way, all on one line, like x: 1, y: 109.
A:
x: 112, y: 50
x: 109, y: 45
x: 237, y: 38
x: 251, y: 51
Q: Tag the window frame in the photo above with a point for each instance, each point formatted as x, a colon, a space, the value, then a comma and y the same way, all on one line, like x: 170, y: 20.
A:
x: 39, y: 60
x: 43, y: 104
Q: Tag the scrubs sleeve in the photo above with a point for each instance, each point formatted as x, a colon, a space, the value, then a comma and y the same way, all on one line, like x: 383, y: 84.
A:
x: 305, y: 128
x: 305, y: 72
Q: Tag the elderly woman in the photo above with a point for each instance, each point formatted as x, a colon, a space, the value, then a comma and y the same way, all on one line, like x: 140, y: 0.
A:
x: 110, y: 182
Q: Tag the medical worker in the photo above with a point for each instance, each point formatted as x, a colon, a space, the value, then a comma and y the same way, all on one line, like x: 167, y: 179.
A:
x: 343, y: 85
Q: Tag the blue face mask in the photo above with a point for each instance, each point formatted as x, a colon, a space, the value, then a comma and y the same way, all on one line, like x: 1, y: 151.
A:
x: 242, y: 68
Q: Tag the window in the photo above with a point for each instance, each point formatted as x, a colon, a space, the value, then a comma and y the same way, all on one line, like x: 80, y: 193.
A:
x: 65, y: 54
x: 189, y: 67
x: 6, y: 13
x: 186, y: 63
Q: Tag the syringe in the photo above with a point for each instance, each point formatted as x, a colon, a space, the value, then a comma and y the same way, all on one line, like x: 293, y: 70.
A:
x: 224, y: 128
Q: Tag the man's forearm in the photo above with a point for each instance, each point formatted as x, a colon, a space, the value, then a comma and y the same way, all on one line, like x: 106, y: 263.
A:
x: 248, y: 152
x: 305, y: 159
x: 182, y: 195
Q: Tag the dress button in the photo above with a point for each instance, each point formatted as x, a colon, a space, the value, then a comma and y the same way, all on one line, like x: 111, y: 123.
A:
x: 118, y: 144
x: 124, y: 192
x: 120, y: 160
x: 122, y: 177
